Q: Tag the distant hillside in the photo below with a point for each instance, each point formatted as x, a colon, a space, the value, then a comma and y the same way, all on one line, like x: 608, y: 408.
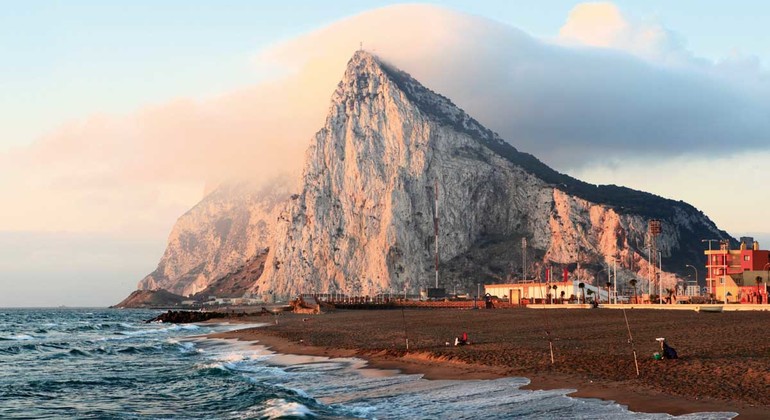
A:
x: 238, y: 282
x: 150, y: 299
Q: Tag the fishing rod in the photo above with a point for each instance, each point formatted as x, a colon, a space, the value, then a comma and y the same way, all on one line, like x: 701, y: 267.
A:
x: 631, y: 341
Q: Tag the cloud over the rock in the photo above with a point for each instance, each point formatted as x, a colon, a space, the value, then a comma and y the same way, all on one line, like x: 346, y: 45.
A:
x: 618, y: 94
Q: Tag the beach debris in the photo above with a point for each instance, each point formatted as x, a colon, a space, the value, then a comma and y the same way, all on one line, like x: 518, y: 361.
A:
x: 302, y: 306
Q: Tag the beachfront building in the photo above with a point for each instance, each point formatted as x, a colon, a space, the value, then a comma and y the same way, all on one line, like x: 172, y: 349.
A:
x: 536, y: 291
x: 738, y: 275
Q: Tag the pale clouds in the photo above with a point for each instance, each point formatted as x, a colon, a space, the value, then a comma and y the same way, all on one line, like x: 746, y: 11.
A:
x: 609, y: 88
x: 570, y: 105
x: 52, y: 269
x: 604, y: 25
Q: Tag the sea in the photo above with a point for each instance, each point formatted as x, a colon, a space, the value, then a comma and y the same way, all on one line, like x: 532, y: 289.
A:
x: 110, y: 364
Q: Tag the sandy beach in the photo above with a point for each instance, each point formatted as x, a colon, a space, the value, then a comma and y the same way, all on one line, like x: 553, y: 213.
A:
x: 723, y: 365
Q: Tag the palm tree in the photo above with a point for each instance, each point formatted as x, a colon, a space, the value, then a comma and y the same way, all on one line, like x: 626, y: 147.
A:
x: 582, y: 287
x: 590, y: 294
x: 554, y: 287
x: 609, y: 285
x: 562, y: 296
x: 670, y: 295
x: 632, y: 282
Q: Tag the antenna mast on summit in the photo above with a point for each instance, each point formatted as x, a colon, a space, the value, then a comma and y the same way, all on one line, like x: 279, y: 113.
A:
x: 435, y: 225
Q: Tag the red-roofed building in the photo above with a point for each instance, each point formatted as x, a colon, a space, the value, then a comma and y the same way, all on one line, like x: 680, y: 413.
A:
x: 740, y: 274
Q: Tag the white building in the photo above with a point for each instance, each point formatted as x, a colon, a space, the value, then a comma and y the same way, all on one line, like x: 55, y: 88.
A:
x: 531, y: 290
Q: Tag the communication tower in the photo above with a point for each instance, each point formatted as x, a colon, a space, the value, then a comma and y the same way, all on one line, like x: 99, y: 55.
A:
x: 654, y: 229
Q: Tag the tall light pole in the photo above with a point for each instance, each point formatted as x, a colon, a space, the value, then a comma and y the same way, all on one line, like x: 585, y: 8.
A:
x: 615, y: 257
x: 615, y: 277
x: 660, y: 279
x: 651, y: 265
x: 767, y: 283
x: 435, y: 225
x: 598, y: 283
x: 709, y: 270
x: 696, y: 272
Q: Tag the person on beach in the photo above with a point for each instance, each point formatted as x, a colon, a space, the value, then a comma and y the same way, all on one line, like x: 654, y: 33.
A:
x: 666, y: 351
x: 463, y: 340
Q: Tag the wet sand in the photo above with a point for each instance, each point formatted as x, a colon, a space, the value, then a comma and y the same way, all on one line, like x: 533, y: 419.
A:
x: 723, y: 365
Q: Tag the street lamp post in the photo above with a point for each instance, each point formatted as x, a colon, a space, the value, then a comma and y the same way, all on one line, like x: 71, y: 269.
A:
x: 660, y: 277
x: 615, y: 277
x: 696, y: 272
x: 767, y: 283
x: 604, y: 270
x: 650, y: 271
x: 724, y: 277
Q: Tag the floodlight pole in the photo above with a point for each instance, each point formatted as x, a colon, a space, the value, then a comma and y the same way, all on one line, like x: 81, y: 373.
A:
x: 435, y: 224
x: 767, y: 282
x: 615, y: 277
x: 660, y: 277
x: 696, y: 272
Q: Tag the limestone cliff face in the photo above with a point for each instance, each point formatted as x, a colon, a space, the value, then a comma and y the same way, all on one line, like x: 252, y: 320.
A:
x: 231, y: 225
x: 361, y: 220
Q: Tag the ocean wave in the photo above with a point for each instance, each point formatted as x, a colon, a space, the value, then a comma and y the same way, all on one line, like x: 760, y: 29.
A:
x: 74, y: 353
x: 135, y: 331
x: 139, y: 350
x: 83, y: 328
x: 188, y: 327
x: 59, y: 345
x: 17, y: 337
x: 79, y: 353
x: 142, y: 332
x: 11, y: 350
x: 279, y: 408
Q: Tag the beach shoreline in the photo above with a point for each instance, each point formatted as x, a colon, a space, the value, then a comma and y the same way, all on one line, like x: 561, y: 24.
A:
x: 329, y: 335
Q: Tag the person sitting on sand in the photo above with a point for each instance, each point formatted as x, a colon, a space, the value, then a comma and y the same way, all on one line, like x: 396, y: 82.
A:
x: 667, y: 351
x: 463, y: 340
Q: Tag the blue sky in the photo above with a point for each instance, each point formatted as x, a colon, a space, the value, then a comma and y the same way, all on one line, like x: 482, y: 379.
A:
x: 93, y: 201
x: 64, y: 60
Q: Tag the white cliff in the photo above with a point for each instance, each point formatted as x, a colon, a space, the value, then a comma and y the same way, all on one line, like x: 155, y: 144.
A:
x: 361, y: 220
x: 231, y: 225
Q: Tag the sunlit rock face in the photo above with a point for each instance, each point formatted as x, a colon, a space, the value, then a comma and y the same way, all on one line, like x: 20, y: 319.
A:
x: 231, y: 225
x: 362, y: 219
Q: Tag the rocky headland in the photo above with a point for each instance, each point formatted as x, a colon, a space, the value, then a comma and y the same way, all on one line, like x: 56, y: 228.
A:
x: 361, y: 218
